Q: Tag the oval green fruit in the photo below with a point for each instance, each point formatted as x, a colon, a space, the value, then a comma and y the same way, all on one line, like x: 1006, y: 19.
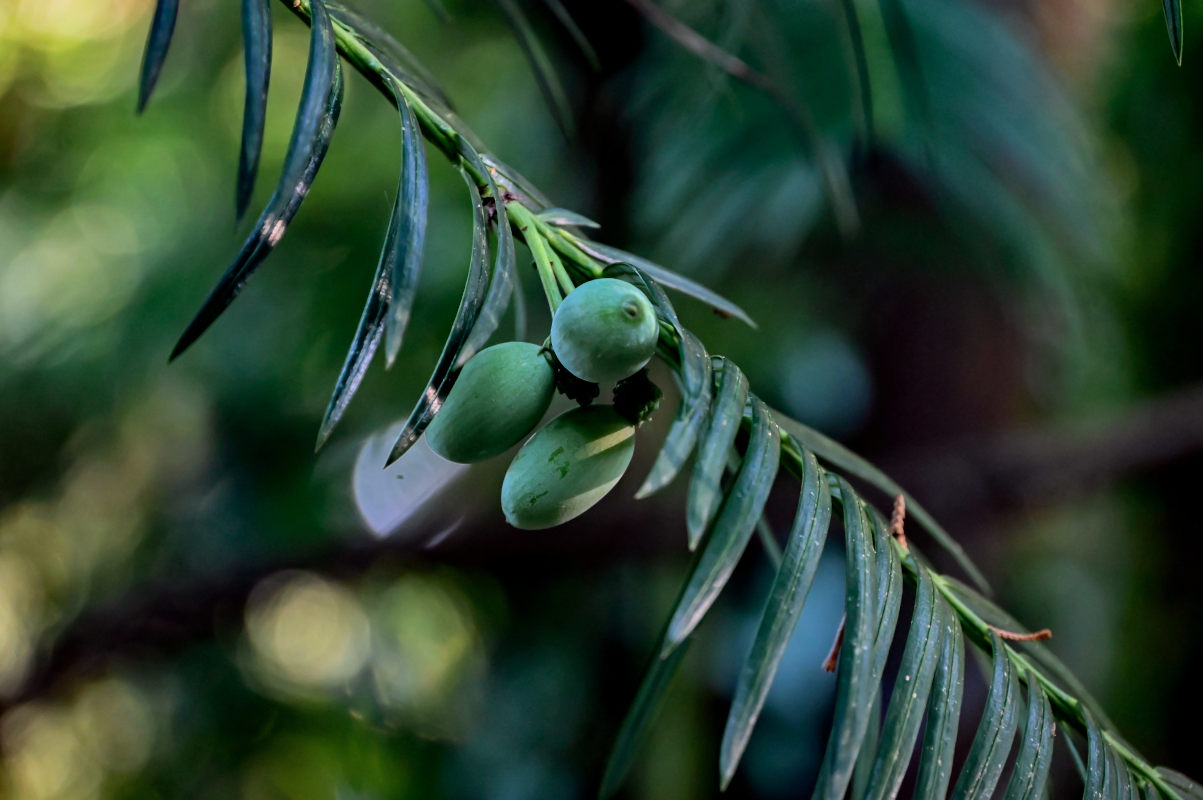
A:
x: 500, y: 396
x: 567, y: 467
x: 605, y: 330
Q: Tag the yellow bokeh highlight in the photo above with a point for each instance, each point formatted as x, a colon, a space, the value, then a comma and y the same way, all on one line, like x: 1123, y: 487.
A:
x: 427, y: 652
x: 66, y: 750
x: 51, y: 41
x: 306, y: 632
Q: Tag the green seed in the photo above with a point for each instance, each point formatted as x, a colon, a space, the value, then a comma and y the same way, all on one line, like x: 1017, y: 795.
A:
x: 604, y: 331
x: 565, y: 468
x: 498, y: 399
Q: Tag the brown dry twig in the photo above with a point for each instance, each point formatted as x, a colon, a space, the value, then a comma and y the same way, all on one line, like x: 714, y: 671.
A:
x: 898, y: 521
x: 1012, y: 636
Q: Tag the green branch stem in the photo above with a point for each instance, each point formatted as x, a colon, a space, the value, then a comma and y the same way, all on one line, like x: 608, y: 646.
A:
x: 1067, y: 708
x: 525, y: 228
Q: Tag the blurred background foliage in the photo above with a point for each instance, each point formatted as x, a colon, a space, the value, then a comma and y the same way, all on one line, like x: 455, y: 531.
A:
x: 192, y: 604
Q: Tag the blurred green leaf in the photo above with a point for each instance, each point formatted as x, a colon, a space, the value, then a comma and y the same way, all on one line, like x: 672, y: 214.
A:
x: 545, y: 72
x: 574, y: 31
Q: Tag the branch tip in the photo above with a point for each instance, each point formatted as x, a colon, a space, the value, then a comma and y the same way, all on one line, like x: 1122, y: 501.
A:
x: 834, y: 656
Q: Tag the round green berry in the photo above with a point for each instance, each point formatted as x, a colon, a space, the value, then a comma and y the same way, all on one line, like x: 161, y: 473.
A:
x: 499, y: 397
x: 604, y: 331
x: 565, y: 468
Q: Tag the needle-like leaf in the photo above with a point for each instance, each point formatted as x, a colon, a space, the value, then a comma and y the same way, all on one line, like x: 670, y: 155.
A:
x: 910, y: 693
x: 889, y: 593
x: 505, y: 265
x: 257, y: 54
x: 943, y: 710
x: 862, y: 772
x: 162, y: 24
x: 990, y: 612
x: 1097, y: 774
x: 1134, y: 783
x: 855, y: 686
x: 732, y: 528
x: 1030, y: 771
x: 691, y: 414
x: 1184, y: 786
x: 317, y: 115
x: 726, y: 413
x: 472, y: 301
x: 648, y: 699
x: 1123, y: 780
x: 395, y: 281
x: 988, y: 754
x: 564, y: 218
x: 640, y: 716
x: 407, y: 228
x: 398, y: 60
x: 799, y: 564
x: 1173, y: 25
x: 670, y: 279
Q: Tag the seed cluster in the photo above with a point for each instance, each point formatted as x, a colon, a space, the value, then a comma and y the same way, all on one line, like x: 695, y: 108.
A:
x: 605, y: 331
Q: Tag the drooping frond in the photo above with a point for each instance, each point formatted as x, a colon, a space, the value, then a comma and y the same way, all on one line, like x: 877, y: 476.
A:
x: 740, y: 450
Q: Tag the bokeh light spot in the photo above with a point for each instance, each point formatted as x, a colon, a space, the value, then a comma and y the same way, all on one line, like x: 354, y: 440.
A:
x: 306, y: 631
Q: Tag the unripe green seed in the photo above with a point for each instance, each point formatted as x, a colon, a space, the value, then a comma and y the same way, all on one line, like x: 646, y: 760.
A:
x: 500, y: 396
x: 570, y: 464
x: 605, y: 330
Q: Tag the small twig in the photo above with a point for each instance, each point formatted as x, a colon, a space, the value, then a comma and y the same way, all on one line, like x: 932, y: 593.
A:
x: 702, y: 47
x: 898, y: 521
x: 834, y: 656
x: 1012, y: 636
